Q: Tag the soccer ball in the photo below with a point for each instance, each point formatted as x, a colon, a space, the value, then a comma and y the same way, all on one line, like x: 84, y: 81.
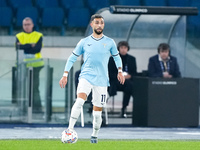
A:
x: 69, y: 136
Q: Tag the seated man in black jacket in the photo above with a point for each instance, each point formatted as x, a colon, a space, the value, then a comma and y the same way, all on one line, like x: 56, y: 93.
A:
x: 163, y: 64
x: 129, y: 70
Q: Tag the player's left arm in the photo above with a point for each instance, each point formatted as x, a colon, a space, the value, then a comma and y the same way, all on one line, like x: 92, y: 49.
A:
x: 120, y: 76
x: 118, y: 63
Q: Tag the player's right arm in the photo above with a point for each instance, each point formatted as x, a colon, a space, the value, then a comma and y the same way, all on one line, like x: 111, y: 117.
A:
x: 70, y: 61
x: 72, y: 58
x: 63, y: 80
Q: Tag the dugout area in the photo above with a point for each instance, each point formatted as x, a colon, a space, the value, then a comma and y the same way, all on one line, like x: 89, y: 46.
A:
x: 145, y: 28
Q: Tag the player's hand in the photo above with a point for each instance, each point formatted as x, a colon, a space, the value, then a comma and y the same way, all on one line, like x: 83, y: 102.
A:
x: 63, y: 82
x: 121, y: 78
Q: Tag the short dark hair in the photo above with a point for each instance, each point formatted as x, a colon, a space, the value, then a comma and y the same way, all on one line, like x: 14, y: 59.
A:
x: 163, y: 46
x: 95, y: 16
x: 27, y: 18
x: 123, y: 43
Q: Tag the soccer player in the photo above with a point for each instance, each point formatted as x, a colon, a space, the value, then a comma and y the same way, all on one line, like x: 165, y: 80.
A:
x: 96, y: 50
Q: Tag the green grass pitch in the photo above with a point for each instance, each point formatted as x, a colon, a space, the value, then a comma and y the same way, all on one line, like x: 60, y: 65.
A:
x: 102, y: 145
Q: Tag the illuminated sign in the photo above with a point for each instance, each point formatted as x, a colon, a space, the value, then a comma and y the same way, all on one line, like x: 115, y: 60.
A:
x: 153, y: 10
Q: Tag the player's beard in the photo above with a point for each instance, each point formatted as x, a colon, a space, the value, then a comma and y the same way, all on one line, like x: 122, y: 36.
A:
x: 98, y: 32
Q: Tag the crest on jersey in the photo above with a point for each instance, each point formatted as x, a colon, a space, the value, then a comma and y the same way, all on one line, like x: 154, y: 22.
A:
x: 104, y: 45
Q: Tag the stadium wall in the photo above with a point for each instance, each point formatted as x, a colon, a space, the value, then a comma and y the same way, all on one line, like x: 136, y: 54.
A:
x: 57, y: 47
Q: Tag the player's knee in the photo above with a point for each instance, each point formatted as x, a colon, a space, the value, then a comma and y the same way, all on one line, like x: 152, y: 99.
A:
x: 95, y: 108
x: 79, y: 103
x: 82, y: 96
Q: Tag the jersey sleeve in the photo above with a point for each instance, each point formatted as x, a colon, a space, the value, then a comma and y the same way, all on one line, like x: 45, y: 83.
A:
x: 115, y: 54
x: 73, y: 57
x: 79, y: 48
x: 113, y: 49
x: 70, y: 61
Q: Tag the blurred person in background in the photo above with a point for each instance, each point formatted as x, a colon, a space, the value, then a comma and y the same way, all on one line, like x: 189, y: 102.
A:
x: 129, y: 71
x: 31, y: 43
x: 163, y: 64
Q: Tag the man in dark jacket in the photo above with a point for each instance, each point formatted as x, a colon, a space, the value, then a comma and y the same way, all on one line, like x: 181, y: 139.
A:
x: 129, y: 70
x: 163, y: 64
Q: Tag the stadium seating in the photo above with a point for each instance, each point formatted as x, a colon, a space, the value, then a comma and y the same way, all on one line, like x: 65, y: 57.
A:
x: 67, y: 4
x: 72, y: 4
x: 3, y: 3
x: 20, y: 3
x: 31, y: 12
x: 95, y: 5
x: 46, y: 3
x: 6, y: 20
x: 78, y: 17
x: 128, y: 2
x: 53, y: 17
x: 41, y: 4
x: 194, y: 20
x: 154, y: 2
x: 179, y: 3
x: 19, y: 10
x: 113, y: 2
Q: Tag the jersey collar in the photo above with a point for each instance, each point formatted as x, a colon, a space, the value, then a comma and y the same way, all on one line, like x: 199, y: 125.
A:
x: 97, y: 39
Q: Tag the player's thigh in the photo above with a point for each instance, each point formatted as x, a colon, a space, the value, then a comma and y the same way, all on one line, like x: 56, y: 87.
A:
x: 99, y: 96
x: 84, y: 88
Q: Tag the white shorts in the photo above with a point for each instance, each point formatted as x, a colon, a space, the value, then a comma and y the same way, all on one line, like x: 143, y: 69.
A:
x: 99, y: 93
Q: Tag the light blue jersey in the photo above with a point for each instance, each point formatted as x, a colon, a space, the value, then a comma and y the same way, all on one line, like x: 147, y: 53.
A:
x: 96, y: 53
